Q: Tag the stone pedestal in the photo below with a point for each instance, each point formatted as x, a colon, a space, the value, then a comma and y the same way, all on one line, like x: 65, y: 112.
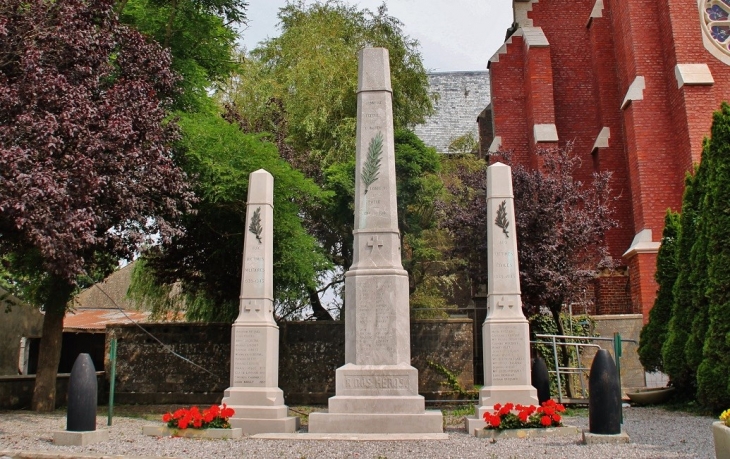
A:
x: 505, y: 332
x: 80, y: 438
x: 377, y: 388
x: 254, y: 394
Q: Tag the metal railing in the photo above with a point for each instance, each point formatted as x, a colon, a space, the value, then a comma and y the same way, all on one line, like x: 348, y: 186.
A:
x: 580, y: 342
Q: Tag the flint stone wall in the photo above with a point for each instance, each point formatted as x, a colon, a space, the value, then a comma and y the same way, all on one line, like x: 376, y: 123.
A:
x: 460, y: 98
x: 16, y: 391
x: 309, y: 354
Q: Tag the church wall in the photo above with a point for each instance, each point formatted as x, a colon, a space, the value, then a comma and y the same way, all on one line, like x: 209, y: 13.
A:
x: 613, y: 66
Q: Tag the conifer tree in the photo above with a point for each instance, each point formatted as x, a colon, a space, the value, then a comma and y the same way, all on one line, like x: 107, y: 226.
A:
x: 673, y: 351
x: 713, y: 374
x: 654, y: 333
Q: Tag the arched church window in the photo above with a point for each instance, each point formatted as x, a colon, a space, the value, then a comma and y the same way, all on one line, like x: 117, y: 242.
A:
x: 715, y: 16
x: 716, y: 22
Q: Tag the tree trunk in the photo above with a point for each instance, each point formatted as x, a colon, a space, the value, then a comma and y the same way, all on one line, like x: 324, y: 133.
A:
x: 49, y: 353
x: 320, y: 313
x: 563, y: 351
x: 170, y: 21
x: 120, y: 7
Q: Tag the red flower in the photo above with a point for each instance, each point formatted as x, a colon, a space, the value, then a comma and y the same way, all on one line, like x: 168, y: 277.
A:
x: 559, y: 407
x: 549, y: 410
x: 226, y: 412
x: 556, y: 417
x: 509, y: 407
x: 504, y: 410
x: 198, y: 423
x: 167, y: 417
x: 183, y: 423
x: 546, y: 421
x: 497, y: 406
x: 523, y: 416
x: 494, y: 421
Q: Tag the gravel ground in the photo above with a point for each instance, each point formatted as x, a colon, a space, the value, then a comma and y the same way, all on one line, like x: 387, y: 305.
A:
x: 654, y: 432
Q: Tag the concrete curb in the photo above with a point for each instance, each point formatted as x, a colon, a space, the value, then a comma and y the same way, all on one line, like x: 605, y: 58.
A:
x: 352, y: 436
x: 62, y: 455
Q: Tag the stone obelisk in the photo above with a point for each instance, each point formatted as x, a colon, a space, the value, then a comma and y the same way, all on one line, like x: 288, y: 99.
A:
x: 377, y: 388
x: 254, y: 393
x: 505, y: 332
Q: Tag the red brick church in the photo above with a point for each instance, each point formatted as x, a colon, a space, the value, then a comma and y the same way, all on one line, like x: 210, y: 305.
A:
x: 633, y: 84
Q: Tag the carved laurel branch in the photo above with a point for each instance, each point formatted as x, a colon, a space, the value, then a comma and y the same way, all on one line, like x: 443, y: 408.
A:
x: 255, y: 226
x: 371, y: 167
x: 501, y: 220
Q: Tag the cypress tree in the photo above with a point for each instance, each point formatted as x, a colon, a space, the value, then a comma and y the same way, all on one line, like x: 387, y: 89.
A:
x: 713, y: 374
x: 673, y: 355
x: 698, y: 281
x: 654, y: 333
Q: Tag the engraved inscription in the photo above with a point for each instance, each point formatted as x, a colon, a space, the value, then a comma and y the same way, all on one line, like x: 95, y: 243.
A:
x: 249, y: 364
x: 377, y: 382
x: 376, y: 317
x: 508, y: 361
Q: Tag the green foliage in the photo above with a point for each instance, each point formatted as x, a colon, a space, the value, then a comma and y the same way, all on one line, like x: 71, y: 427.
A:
x: 654, y: 333
x: 452, y: 379
x: 699, y: 263
x: 199, y: 34
x: 674, y: 362
x: 304, y: 82
x: 713, y: 374
x: 207, y: 258
x: 464, y: 144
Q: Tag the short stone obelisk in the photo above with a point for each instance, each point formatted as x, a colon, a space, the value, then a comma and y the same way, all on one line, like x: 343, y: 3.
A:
x: 254, y: 393
x: 377, y: 388
x: 505, y: 332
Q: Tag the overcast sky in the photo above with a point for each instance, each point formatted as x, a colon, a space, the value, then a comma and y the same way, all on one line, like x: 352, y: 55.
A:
x: 454, y: 34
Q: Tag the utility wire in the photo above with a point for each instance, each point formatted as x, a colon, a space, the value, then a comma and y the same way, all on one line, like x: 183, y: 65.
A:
x: 165, y: 346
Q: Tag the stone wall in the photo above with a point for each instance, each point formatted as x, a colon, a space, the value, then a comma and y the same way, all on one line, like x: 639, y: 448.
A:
x: 460, y: 98
x: 309, y: 354
x: 16, y: 392
x: 629, y: 326
x: 17, y: 320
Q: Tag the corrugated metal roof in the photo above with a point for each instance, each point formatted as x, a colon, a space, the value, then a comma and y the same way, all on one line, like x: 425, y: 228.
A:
x: 97, y: 319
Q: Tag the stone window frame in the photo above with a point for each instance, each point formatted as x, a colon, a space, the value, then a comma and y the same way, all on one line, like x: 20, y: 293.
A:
x: 721, y: 50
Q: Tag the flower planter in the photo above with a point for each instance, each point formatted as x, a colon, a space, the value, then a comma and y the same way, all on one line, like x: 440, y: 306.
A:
x: 652, y: 396
x: 721, y: 435
x: 164, y: 431
x: 526, y: 433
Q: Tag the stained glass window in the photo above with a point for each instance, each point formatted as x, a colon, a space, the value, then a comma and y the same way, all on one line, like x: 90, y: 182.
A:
x: 716, y: 23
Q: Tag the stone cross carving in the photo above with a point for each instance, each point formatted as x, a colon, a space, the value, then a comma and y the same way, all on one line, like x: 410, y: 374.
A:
x: 502, y: 303
x: 375, y: 242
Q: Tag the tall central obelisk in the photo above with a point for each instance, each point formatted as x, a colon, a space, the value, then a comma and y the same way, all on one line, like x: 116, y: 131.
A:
x: 377, y: 388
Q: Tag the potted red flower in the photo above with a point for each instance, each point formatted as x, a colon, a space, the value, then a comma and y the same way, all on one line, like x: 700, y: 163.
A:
x: 525, y: 420
x: 191, y: 422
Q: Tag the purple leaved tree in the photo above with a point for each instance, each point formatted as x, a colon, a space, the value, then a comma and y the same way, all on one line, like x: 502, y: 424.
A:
x: 85, y: 159
x: 560, y: 224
